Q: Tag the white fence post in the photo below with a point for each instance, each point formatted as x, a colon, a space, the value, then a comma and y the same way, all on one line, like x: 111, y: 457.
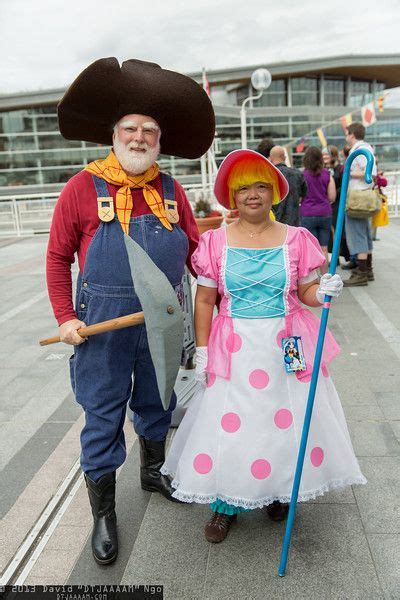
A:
x: 17, y: 222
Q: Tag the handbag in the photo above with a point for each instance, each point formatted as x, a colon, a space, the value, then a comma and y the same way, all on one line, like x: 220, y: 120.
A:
x: 362, y: 204
x: 382, y: 217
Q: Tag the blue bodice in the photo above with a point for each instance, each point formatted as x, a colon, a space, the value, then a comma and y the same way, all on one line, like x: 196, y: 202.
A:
x: 255, y: 279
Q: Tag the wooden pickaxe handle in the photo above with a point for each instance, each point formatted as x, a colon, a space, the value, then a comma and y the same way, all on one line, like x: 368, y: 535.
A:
x: 111, y: 325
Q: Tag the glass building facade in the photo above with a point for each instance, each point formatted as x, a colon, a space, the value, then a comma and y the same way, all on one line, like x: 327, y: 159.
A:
x: 33, y: 153
x: 294, y: 107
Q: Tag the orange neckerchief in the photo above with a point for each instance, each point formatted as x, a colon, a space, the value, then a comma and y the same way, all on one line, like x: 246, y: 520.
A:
x: 111, y: 171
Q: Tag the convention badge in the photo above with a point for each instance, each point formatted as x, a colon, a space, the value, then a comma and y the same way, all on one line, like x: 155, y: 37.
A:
x: 293, y: 356
x: 105, y: 209
x: 171, y: 211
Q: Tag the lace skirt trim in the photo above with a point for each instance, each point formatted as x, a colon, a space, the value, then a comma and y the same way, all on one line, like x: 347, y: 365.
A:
x: 334, y: 484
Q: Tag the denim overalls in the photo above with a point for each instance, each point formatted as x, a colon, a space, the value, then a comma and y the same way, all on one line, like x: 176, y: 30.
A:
x: 102, y: 367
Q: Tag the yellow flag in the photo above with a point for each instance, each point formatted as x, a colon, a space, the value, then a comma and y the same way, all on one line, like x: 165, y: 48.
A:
x: 322, y: 138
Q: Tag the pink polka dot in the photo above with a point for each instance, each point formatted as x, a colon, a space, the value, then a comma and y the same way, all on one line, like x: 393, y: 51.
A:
x: 261, y: 469
x: 259, y: 379
x: 202, y: 463
x: 282, y: 334
x: 325, y: 371
x: 211, y: 377
x: 317, y: 456
x: 283, y: 418
x: 234, y: 342
x: 230, y: 422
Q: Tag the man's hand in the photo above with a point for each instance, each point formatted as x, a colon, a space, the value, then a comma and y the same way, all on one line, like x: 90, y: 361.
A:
x: 68, y: 332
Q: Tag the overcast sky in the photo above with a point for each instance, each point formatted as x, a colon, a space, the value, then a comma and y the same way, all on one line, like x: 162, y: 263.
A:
x: 44, y: 44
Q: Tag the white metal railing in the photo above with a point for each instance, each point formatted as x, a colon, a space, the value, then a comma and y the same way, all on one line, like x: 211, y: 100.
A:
x: 29, y: 214
x: 26, y: 214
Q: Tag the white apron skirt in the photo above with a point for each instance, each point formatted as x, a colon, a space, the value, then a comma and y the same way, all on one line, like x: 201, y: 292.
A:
x: 239, y: 439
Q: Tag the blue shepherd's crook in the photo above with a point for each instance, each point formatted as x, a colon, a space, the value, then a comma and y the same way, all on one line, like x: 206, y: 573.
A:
x: 318, y: 351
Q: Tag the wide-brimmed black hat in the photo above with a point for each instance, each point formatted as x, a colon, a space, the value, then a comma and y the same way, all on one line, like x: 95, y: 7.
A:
x: 105, y: 91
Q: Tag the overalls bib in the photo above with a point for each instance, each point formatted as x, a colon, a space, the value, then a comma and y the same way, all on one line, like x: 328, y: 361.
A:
x: 102, y: 367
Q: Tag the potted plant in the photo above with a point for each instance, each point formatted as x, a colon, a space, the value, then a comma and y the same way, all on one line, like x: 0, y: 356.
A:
x: 206, y: 218
x: 231, y: 216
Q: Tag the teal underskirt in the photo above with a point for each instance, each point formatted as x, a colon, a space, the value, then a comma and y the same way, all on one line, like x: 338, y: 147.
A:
x: 220, y: 506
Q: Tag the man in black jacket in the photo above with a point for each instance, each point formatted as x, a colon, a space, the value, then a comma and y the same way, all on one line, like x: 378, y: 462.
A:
x: 288, y: 210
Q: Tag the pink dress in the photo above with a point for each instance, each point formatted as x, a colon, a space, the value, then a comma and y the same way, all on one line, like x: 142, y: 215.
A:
x: 239, y: 440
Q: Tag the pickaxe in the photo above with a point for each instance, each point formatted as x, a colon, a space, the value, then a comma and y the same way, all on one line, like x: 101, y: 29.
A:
x: 161, y: 313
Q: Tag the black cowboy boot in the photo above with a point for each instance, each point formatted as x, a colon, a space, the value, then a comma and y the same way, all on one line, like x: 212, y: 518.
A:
x: 104, y: 534
x: 152, y: 456
x: 370, y: 272
x: 358, y: 276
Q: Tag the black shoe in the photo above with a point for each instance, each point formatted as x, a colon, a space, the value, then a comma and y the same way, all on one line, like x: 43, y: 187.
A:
x: 104, y: 534
x: 277, y: 511
x: 152, y: 457
x: 349, y: 265
x: 370, y: 275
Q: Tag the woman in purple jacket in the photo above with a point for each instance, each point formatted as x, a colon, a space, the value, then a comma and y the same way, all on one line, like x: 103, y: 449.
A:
x: 315, y: 208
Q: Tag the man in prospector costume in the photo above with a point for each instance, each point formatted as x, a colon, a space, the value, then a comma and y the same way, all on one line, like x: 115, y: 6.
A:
x: 141, y: 109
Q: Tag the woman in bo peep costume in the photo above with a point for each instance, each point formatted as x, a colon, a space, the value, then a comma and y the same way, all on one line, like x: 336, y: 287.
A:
x: 237, y: 445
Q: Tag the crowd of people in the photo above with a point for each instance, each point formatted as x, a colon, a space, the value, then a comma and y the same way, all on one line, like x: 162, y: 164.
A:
x: 313, y: 199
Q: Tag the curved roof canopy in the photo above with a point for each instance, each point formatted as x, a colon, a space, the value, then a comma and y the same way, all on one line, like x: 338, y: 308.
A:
x: 385, y: 68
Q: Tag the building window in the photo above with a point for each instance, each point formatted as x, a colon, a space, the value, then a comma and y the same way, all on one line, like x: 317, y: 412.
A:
x: 56, y: 142
x: 305, y: 91
x: 275, y: 95
x: 360, y: 92
x: 47, y: 123
x: 17, y: 142
x: 16, y: 121
x: 334, y: 91
x: 241, y: 94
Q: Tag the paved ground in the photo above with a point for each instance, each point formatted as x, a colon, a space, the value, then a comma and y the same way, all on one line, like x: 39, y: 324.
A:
x: 345, y: 545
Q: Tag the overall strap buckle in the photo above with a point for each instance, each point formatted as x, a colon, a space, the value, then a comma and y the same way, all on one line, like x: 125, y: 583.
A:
x: 105, y: 209
x: 105, y: 202
x: 170, y: 204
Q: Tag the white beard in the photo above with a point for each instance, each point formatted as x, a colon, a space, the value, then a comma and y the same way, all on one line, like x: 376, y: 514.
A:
x: 133, y: 163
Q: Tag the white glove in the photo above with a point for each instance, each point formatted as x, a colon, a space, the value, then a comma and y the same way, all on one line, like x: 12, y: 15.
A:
x: 201, y: 363
x: 329, y: 284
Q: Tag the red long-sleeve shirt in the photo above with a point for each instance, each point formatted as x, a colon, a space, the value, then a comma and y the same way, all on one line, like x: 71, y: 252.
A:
x: 75, y: 221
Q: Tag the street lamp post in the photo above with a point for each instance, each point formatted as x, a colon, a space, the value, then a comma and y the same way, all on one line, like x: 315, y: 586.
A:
x: 260, y: 80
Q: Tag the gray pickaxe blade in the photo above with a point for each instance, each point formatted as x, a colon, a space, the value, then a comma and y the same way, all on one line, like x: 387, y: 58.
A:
x: 163, y: 317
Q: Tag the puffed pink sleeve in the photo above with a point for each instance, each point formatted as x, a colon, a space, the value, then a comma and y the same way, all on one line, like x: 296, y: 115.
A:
x: 204, y: 260
x: 310, y: 255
